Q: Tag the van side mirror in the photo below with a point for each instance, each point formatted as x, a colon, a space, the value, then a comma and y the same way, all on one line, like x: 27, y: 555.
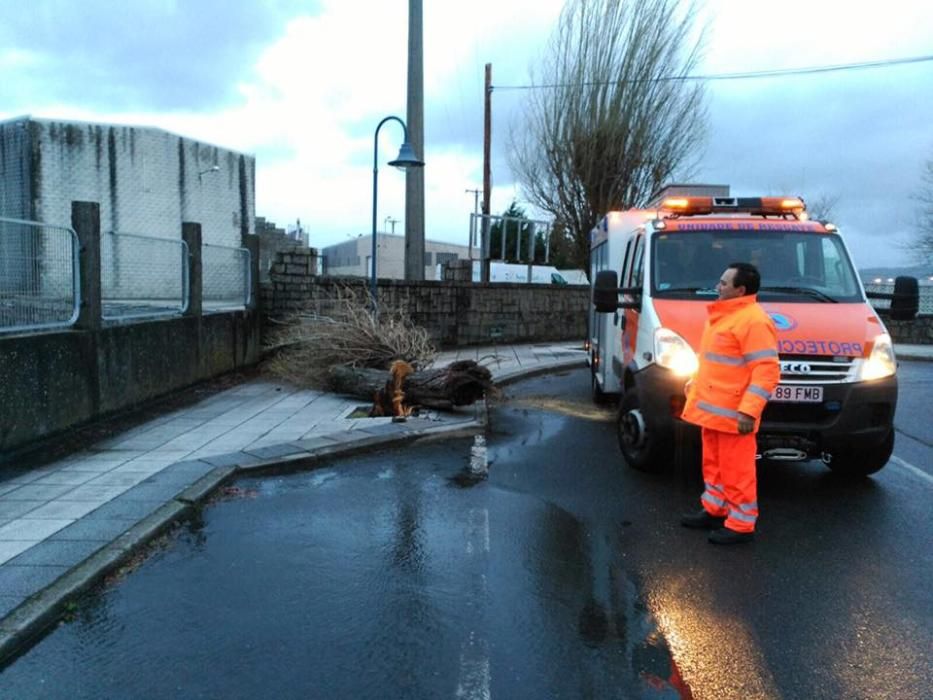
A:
x: 905, y: 302
x: 606, y: 294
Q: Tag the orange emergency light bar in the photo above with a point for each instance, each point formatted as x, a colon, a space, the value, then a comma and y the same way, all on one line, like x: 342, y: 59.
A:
x: 762, y: 206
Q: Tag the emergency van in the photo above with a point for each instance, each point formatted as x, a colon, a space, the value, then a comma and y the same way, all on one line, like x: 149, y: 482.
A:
x: 653, y: 273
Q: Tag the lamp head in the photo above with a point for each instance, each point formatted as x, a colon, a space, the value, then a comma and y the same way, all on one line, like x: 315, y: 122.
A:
x: 406, y: 158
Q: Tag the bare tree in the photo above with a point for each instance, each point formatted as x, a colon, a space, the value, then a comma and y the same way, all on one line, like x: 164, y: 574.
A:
x: 612, y: 118
x: 823, y: 206
x: 923, y: 241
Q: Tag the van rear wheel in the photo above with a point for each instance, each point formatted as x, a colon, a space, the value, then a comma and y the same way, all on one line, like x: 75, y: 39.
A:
x: 858, y: 463
x: 643, y: 448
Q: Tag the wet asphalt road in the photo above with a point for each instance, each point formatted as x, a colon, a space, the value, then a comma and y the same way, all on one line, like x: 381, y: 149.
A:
x: 565, y: 575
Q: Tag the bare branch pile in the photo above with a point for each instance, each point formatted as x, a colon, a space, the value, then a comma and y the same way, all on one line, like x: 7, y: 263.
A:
x: 344, y: 332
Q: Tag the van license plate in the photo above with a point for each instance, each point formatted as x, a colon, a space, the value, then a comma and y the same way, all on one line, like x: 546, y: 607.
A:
x: 785, y: 393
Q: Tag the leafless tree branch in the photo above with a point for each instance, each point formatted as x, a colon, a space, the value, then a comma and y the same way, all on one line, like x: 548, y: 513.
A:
x: 618, y: 124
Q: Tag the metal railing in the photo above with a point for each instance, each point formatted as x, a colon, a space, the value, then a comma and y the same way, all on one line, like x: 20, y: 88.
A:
x: 926, y: 297
x: 225, y: 277
x: 142, y: 276
x: 524, y: 231
x: 39, y: 276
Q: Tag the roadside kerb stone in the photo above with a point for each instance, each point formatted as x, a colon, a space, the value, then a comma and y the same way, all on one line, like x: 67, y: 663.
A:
x: 27, y: 621
x: 524, y: 373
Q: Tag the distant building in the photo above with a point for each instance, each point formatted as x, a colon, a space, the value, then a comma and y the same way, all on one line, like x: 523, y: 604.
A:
x: 353, y: 257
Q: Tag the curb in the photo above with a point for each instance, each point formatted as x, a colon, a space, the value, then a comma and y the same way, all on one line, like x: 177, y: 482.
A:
x: 516, y: 375
x: 26, y: 623
x: 912, y: 357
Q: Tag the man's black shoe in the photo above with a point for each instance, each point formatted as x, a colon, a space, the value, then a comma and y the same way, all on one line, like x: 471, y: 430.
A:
x: 701, y: 521
x: 726, y: 536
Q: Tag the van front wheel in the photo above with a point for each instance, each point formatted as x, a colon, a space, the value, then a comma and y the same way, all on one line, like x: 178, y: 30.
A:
x: 641, y: 446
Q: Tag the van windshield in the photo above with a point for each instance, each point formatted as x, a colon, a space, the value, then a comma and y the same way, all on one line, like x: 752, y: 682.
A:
x: 794, y: 266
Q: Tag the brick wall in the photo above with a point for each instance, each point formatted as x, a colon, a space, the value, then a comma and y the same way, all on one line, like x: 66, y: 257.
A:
x: 916, y: 332
x: 465, y: 313
x: 454, y: 313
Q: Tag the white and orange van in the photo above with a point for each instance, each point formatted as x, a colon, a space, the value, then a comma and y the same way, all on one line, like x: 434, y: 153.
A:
x: 653, y: 271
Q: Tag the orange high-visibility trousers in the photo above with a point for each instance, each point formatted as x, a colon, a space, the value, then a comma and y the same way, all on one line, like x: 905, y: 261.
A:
x: 730, y: 480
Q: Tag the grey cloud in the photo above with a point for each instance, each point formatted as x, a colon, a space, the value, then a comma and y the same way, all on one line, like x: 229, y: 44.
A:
x: 858, y: 137
x: 143, y: 54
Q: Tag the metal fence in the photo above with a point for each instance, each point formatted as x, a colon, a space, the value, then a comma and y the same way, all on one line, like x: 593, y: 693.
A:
x: 226, y: 278
x: 142, y: 276
x: 511, y: 232
x: 926, y: 297
x: 39, y: 276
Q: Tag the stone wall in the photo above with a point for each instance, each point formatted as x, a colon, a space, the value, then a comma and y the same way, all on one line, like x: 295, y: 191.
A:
x: 459, y: 312
x: 916, y: 332
x: 454, y: 313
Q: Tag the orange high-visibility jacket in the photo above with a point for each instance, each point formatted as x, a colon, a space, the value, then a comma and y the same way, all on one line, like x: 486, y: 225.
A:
x: 739, y: 365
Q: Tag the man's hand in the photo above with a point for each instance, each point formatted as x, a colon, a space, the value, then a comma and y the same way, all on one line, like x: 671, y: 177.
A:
x: 746, y: 424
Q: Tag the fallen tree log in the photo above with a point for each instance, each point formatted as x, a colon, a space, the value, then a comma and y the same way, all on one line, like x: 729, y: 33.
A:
x: 459, y: 384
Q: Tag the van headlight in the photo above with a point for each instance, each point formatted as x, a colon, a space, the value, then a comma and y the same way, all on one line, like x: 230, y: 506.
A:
x: 881, y: 363
x: 674, y: 353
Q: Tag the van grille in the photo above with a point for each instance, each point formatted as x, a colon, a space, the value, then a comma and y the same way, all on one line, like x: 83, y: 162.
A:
x: 816, y: 369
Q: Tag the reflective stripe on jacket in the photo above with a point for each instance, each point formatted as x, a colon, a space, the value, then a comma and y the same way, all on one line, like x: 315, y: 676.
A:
x: 739, y: 365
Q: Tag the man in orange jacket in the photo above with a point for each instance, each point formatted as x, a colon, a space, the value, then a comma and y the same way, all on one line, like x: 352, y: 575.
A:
x: 738, y: 370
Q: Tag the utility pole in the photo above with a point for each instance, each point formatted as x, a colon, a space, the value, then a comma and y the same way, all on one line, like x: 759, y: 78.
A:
x: 414, y: 177
x: 487, y: 173
x: 474, y: 219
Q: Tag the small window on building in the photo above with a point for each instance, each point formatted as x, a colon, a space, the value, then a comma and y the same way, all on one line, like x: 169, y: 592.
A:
x: 429, y: 259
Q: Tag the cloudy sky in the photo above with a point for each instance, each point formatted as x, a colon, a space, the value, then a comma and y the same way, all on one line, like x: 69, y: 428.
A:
x: 301, y: 84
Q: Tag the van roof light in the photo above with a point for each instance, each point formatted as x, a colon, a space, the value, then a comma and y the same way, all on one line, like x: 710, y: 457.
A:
x: 687, y: 205
x: 762, y: 206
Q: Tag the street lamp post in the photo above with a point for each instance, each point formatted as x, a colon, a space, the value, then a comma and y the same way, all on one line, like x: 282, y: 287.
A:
x: 406, y: 159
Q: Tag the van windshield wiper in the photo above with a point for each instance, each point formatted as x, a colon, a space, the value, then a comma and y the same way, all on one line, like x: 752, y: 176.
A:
x: 688, y: 290
x: 806, y: 291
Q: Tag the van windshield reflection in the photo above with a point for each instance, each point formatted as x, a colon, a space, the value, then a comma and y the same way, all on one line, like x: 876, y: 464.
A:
x: 795, y: 267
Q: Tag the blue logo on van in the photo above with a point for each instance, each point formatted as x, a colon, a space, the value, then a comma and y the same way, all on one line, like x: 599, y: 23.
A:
x: 782, y: 322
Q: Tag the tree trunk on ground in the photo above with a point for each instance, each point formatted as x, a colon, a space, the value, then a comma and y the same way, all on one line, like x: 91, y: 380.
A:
x: 459, y: 384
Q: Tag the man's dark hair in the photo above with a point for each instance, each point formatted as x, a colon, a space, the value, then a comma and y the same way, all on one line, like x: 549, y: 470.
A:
x: 746, y: 275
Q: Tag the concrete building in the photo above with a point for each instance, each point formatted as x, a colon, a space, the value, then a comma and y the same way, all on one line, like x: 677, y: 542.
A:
x: 353, y: 257
x: 146, y: 180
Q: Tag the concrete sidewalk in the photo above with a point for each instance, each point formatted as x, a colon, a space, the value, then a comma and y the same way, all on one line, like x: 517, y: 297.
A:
x: 914, y: 352
x: 64, y: 525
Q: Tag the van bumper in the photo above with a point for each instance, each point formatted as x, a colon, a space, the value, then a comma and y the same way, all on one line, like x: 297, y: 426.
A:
x: 852, y: 416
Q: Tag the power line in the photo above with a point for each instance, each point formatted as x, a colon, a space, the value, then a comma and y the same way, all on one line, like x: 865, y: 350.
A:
x: 812, y: 70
